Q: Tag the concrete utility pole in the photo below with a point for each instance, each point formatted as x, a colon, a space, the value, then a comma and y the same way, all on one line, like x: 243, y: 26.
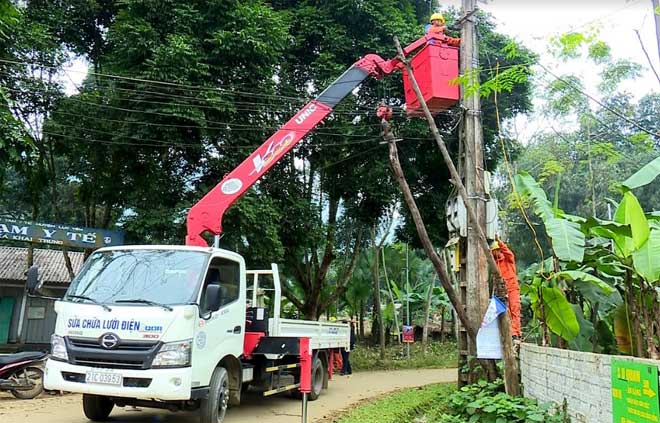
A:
x: 656, y: 14
x: 474, y: 272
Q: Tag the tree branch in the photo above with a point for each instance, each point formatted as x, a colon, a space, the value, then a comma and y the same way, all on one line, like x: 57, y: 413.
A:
x: 291, y: 296
x: 648, y: 58
x: 329, y: 241
x: 342, y: 282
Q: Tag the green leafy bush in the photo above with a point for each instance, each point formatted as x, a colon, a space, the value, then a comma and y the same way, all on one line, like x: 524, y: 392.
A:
x: 438, y: 355
x: 486, y: 403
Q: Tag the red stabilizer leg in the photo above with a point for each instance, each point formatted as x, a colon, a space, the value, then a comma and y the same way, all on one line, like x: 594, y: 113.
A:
x: 305, y: 366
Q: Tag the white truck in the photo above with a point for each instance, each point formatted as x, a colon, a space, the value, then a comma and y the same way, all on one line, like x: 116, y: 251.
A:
x: 174, y: 327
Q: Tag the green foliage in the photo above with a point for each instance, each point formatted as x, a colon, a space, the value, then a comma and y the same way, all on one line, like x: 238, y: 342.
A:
x: 576, y: 300
x: 564, y: 95
x: 567, y: 240
x: 480, y: 402
x: 567, y: 45
x: 646, y: 258
x: 558, y: 314
x: 630, y: 213
x: 644, y: 176
x: 618, y: 71
x: 599, y: 51
x: 402, y: 406
x: 438, y: 355
x: 485, y: 402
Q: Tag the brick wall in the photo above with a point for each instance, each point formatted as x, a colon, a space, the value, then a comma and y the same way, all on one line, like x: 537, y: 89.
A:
x: 583, y: 379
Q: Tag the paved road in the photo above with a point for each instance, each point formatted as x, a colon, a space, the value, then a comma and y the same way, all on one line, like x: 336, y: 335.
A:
x: 342, y: 393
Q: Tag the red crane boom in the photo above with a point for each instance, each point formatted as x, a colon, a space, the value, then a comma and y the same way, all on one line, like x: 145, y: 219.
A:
x: 206, y: 215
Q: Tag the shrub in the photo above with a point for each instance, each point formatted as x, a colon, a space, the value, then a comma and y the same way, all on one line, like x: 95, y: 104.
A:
x: 486, y: 403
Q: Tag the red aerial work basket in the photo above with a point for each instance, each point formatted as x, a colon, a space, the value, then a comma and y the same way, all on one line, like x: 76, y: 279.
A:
x: 434, y: 67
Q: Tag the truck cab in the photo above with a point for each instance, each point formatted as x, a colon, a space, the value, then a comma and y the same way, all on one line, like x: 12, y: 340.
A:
x: 165, y: 327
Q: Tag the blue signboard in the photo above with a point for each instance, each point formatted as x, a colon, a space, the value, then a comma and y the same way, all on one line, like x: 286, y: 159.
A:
x: 48, y: 233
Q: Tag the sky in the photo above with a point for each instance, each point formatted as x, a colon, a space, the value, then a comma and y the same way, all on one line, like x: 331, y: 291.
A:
x: 535, y: 22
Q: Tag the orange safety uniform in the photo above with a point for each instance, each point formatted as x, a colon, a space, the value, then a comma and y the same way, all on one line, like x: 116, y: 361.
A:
x: 433, y: 29
x: 506, y: 262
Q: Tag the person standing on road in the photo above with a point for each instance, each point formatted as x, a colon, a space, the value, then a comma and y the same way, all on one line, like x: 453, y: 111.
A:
x: 346, y: 368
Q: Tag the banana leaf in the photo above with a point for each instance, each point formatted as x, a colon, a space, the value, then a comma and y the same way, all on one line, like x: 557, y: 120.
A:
x: 646, y: 260
x: 643, y: 176
x: 559, y: 315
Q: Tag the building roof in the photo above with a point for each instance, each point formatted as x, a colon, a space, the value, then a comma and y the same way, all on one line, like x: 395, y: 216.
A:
x: 13, y: 264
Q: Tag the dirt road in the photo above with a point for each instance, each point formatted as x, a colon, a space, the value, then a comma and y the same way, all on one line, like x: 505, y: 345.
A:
x: 343, y: 392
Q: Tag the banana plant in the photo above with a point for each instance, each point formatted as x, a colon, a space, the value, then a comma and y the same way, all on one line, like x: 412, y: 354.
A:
x: 598, y: 267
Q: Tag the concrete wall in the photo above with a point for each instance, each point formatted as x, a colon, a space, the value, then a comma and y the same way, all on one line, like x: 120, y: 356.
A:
x: 583, y: 379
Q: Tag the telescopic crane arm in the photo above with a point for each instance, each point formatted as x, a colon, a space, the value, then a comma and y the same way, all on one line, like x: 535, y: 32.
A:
x: 206, y: 215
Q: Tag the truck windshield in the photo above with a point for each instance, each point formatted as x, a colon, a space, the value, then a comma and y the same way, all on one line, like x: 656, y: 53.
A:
x: 162, y: 276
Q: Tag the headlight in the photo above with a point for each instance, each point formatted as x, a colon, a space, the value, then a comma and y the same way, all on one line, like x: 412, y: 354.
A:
x: 58, y: 348
x: 173, y: 354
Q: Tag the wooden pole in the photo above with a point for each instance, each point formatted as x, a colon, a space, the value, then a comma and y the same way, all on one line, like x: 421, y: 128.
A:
x: 476, y: 268
x: 656, y: 15
x: 510, y: 365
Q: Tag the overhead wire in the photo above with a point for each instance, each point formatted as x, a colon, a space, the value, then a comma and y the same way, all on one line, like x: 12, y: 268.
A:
x: 176, y: 144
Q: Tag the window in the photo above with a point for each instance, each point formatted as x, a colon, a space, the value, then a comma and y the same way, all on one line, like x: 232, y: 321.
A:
x: 167, y: 276
x: 227, y: 274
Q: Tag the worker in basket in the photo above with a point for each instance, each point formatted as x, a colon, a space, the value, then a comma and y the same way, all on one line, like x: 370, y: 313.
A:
x: 437, y: 26
x: 506, y: 262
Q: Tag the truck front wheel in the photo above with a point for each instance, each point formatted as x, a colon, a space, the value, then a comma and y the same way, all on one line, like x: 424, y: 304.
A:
x: 214, y: 408
x: 97, y: 408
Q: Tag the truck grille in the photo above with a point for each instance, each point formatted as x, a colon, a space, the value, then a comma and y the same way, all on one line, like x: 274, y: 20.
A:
x: 123, y: 345
x: 136, y: 355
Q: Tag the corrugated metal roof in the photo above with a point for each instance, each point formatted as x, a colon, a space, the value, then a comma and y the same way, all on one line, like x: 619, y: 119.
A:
x: 13, y: 264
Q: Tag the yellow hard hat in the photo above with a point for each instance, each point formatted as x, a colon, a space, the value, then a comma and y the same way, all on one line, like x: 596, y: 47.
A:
x: 437, y: 17
x: 495, y: 245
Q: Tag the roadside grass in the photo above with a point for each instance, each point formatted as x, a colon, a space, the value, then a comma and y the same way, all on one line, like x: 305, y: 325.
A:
x: 401, y: 406
x: 438, y: 356
x: 444, y: 403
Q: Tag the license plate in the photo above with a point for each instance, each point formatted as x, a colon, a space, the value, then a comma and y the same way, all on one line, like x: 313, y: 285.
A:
x: 103, y: 378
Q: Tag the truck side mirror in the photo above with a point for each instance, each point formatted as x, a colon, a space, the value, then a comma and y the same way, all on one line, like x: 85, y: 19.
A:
x: 213, y: 299
x: 33, y: 285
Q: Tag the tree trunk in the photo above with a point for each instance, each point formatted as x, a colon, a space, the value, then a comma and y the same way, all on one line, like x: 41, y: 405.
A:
x: 389, y: 291
x: 56, y: 204
x: 442, y: 324
x: 651, y: 349
x: 545, y: 338
x: 30, y: 248
x: 633, y: 304
x: 361, y: 324
x: 377, y: 308
x: 427, y: 311
x: 656, y: 313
